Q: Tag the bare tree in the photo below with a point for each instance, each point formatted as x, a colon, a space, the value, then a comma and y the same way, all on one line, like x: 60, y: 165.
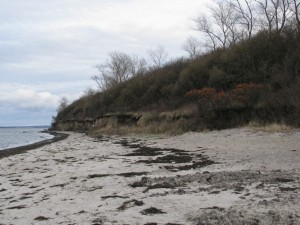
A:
x: 225, y: 19
x: 192, y: 47
x: 231, y: 21
x: 138, y: 66
x: 63, y: 104
x: 89, y: 92
x: 266, y: 19
x: 114, y: 71
x: 99, y: 81
x: 222, y: 29
x: 281, y: 12
x: 244, y: 10
x: 117, y: 69
x: 205, y: 26
x: 275, y: 14
x: 158, y: 56
x: 295, y: 8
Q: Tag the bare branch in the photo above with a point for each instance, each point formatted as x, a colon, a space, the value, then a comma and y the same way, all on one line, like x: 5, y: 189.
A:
x: 245, y: 17
x: 158, y: 56
x: 63, y: 103
x: 224, y: 27
x: 231, y: 21
x: 192, y: 47
x: 204, y: 26
x: 276, y: 13
x: 138, y: 66
x: 117, y: 69
x: 295, y: 8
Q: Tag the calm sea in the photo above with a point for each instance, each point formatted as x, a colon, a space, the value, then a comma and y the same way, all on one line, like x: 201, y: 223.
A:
x: 19, y: 136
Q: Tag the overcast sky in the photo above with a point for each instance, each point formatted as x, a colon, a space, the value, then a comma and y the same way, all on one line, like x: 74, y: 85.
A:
x: 49, y: 49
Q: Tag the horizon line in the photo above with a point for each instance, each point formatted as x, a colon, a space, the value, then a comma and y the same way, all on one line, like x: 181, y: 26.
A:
x: 20, y: 126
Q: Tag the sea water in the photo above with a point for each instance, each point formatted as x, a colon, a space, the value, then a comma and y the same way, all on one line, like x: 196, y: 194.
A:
x: 19, y: 136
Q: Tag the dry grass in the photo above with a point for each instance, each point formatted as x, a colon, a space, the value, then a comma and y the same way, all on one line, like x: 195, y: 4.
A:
x: 149, y: 124
x: 271, y: 128
x: 153, y: 128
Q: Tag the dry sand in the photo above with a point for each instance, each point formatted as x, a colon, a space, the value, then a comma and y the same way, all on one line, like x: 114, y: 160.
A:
x: 236, y: 176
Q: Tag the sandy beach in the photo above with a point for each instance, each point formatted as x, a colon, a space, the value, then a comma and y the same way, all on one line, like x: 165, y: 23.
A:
x: 234, y: 176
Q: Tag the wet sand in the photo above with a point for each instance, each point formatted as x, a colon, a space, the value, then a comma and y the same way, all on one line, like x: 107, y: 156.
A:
x: 235, y: 176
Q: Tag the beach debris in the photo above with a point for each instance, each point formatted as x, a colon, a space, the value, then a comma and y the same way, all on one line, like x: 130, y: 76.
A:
x: 98, y: 175
x: 283, y: 180
x: 99, y: 221
x: 173, y: 224
x: 59, y: 185
x: 234, y: 215
x: 145, y: 151
x: 130, y: 174
x: 93, y: 188
x: 144, y: 182
x: 41, y: 218
x: 18, y: 207
x: 113, y: 196
x: 164, y: 185
x: 81, y: 212
x: 130, y: 204
x: 169, y: 159
x: 152, y: 211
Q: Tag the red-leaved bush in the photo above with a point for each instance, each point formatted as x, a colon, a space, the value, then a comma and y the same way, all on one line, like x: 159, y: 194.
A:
x: 201, y: 93
x: 245, y: 93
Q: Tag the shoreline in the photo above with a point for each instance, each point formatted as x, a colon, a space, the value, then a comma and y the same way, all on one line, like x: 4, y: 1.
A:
x: 24, y: 148
x: 234, y: 176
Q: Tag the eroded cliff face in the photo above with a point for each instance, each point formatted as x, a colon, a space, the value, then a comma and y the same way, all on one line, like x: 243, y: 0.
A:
x: 166, y: 122
x: 109, y: 120
x: 179, y: 122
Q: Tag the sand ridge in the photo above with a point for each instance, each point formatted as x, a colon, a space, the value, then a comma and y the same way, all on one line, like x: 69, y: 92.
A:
x: 235, y: 176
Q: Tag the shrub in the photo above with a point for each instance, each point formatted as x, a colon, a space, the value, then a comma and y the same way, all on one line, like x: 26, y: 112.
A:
x: 204, y: 93
x: 247, y: 93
